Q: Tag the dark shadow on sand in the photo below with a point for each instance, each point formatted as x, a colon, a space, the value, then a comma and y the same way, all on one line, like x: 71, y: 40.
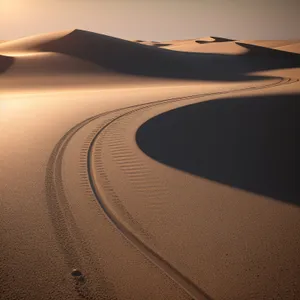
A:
x: 5, y: 63
x: 215, y: 40
x: 161, y: 45
x: 248, y: 143
x: 137, y: 59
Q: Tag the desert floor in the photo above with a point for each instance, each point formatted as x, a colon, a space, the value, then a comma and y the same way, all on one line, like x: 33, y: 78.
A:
x: 157, y: 170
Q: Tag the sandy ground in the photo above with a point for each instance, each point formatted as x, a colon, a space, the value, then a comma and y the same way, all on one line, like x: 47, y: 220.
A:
x: 158, y: 170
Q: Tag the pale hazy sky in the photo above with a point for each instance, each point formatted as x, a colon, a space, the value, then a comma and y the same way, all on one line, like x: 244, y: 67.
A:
x: 154, y: 19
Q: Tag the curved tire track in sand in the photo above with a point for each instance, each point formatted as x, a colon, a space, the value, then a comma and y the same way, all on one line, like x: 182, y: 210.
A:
x: 61, y: 216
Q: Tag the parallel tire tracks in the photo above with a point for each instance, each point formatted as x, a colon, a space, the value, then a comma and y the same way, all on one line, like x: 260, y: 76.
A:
x: 61, y: 216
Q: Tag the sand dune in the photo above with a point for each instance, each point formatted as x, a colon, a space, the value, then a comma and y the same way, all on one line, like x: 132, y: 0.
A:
x: 270, y: 43
x: 49, y: 64
x: 30, y: 44
x: 295, y: 48
x: 226, y: 47
x: 212, y: 45
x: 206, y: 39
x: 108, y: 52
x: 115, y: 54
x: 213, y: 39
x: 80, y: 52
x: 270, y: 52
x: 283, y: 45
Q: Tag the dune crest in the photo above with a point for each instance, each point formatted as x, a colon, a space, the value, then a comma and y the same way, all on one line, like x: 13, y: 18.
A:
x: 31, y: 43
x: 295, y: 48
x: 229, y: 47
x: 270, y: 52
x: 213, y: 39
x: 270, y: 43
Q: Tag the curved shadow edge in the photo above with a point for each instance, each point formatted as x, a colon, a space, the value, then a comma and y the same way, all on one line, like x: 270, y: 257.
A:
x: 248, y: 142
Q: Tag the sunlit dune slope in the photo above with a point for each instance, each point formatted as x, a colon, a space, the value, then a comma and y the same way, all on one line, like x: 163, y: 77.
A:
x: 31, y: 43
x: 48, y: 63
x: 291, y: 48
x: 205, y: 45
x: 224, y: 47
x: 270, y: 52
x: 270, y: 43
x: 213, y: 39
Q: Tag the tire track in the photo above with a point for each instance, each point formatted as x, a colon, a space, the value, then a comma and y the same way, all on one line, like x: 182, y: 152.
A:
x: 66, y: 230
x: 99, y: 192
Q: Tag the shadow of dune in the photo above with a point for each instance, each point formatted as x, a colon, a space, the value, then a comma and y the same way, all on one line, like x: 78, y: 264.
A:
x: 255, y: 50
x: 248, y: 143
x: 215, y: 40
x: 5, y: 63
x: 161, y: 45
x: 137, y: 59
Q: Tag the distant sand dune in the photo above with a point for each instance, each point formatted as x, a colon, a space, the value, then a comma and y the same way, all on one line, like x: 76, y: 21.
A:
x: 270, y: 52
x: 77, y: 52
x: 270, y: 43
x: 123, y: 56
x: 213, y: 39
x: 120, y: 55
x: 206, y: 39
x: 230, y: 47
x: 128, y: 57
x: 295, y: 48
x: 204, y: 45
